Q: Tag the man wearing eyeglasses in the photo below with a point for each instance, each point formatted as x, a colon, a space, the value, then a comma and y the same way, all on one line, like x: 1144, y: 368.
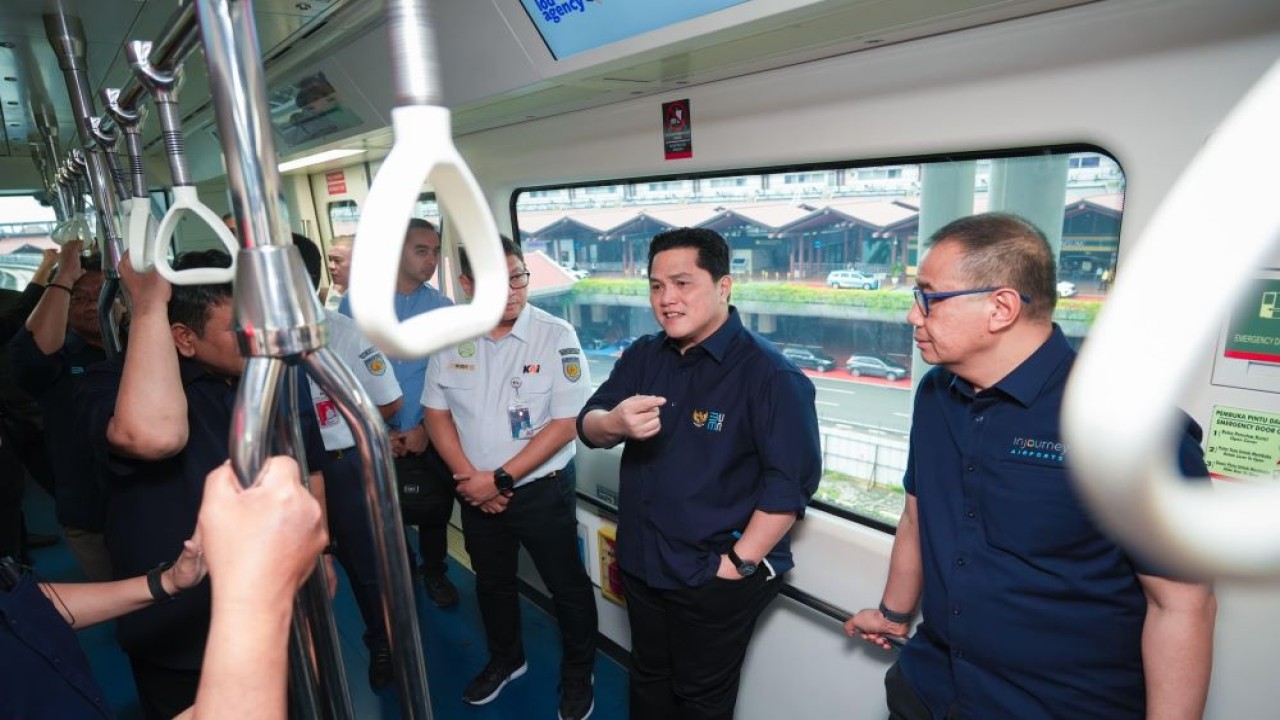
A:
x: 501, y: 409
x: 1029, y: 610
x: 418, y: 466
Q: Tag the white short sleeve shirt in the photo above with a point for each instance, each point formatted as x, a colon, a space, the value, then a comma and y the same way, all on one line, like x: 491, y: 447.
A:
x: 369, y: 366
x: 502, y: 391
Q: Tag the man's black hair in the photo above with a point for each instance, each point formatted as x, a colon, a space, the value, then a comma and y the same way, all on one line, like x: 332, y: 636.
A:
x: 190, y: 304
x: 310, y: 257
x: 713, y: 251
x: 509, y: 247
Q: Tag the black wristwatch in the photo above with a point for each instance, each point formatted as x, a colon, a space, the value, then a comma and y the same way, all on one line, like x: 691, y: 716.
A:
x: 745, y: 568
x: 156, y: 586
x: 503, y: 481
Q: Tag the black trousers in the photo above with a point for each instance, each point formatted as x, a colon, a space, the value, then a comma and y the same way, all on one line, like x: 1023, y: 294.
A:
x: 164, y: 692
x: 433, y: 507
x: 350, y: 529
x: 688, y: 645
x: 542, y: 517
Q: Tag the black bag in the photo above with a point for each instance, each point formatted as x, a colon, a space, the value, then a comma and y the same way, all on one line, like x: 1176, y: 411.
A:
x: 425, y: 485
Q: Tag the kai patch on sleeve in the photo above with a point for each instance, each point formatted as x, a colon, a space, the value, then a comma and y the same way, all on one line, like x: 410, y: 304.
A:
x: 572, y: 366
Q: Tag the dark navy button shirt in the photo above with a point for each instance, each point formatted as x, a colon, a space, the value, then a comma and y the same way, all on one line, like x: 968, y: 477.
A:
x: 1030, y: 611
x: 52, y: 381
x: 152, y: 504
x: 739, y: 434
x: 44, y: 674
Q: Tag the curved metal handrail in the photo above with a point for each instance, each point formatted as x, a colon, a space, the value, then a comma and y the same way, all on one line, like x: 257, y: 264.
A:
x: 1121, y: 427
x: 163, y: 86
x: 140, y: 223
x: 423, y: 151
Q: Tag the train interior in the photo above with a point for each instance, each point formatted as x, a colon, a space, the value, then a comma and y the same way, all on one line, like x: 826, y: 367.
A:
x: 823, y: 139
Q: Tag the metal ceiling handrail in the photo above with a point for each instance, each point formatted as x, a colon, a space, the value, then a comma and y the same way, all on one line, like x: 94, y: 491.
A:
x: 423, y: 151
x: 140, y: 222
x: 163, y: 86
x: 1120, y: 425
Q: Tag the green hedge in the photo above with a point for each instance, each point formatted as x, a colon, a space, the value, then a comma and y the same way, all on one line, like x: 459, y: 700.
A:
x: 789, y: 293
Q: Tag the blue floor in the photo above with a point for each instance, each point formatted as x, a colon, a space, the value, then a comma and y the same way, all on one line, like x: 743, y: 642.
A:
x: 452, y: 639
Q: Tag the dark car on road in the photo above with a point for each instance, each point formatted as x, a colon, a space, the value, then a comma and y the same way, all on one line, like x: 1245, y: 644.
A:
x: 810, y: 358
x: 873, y: 366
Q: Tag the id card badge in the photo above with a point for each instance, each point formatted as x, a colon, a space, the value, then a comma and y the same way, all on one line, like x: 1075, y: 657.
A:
x: 518, y: 417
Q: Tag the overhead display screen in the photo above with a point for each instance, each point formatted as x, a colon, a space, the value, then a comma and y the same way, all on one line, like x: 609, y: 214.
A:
x: 573, y: 26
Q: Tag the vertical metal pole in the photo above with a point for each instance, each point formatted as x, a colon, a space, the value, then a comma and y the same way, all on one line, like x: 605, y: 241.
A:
x: 383, y: 505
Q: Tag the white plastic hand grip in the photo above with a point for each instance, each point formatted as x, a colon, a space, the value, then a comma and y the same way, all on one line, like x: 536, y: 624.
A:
x: 1149, y: 343
x: 74, y: 228
x: 185, y: 200
x: 140, y: 229
x: 424, y: 150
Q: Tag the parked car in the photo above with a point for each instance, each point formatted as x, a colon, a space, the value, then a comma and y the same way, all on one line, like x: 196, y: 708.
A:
x: 809, y: 358
x: 575, y: 272
x: 1066, y: 289
x: 845, y: 279
x: 872, y: 366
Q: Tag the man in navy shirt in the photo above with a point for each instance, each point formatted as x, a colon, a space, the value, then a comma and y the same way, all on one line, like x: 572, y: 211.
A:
x: 159, y: 420
x: 722, y: 455
x: 48, y: 357
x: 1030, y: 611
x: 417, y: 464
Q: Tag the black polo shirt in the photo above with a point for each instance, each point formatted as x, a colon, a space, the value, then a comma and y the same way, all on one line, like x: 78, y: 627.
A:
x: 739, y: 434
x: 1030, y: 611
x: 52, y: 381
x: 152, y: 505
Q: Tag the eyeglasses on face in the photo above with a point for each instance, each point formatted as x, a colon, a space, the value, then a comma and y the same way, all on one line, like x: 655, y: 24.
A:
x: 923, y: 299
x: 518, y: 280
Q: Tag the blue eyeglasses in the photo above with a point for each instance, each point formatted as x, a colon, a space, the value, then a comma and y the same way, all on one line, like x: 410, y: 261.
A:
x: 924, y: 298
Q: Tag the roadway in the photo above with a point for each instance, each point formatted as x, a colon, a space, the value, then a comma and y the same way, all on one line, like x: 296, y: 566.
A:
x: 842, y: 400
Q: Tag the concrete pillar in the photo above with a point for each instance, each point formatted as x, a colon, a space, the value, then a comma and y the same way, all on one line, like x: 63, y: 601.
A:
x: 1036, y: 189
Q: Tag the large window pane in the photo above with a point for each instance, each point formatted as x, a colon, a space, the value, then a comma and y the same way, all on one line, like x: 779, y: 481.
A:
x: 823, y: 261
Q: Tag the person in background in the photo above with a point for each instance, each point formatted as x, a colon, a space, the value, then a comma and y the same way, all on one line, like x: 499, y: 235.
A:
x: 418, y: 465
x: 339, y: 261
x: 48, y: 357
x: 501, y: 410
x: 722, y: 456
x: 22, y: 452
x: 1030, y: 610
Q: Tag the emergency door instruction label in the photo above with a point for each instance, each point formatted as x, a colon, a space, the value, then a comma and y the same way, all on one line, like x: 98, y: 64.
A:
x: 1244, y: 444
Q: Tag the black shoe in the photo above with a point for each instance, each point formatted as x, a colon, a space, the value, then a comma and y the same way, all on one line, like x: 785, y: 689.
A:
x: 441, y: 590
x: 380, y: 674
x: 490, y: 682
x: 39, y: 540
x: 577, y: 698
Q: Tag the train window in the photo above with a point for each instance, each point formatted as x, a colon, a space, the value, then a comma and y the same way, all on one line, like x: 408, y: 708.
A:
x: 823, y: 262
x: 26, y: 227
x: 344, y: 215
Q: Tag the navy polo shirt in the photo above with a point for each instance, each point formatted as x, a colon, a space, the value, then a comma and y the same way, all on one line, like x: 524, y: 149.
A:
x: 43, y: 670
x: 52, y: 381
x: 739, y: 434
x: 152, y: 504
x: 1030, y: 611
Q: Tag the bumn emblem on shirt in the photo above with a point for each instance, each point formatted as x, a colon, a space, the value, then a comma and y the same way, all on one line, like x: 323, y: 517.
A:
x: 713, y: 421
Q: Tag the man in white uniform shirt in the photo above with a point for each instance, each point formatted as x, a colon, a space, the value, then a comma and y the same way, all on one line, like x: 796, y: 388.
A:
x: 502, y: 410
x: 344, y: 483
